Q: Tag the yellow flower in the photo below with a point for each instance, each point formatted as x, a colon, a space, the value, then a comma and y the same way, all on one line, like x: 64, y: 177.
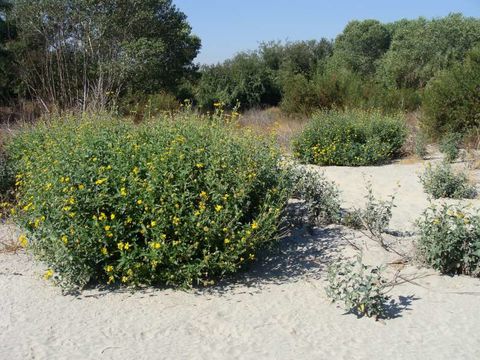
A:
x: 112, y: 217
x: 121, y: 246
x: 139, y: 202
x: 199, y: 166
x: 65, y: 239
x: 104, y: 251
x: 123, y: 192
x: 217, y: 104
x: 102, y: 217
x: 111, y: 279
x: 124, y: 279
x: 156, y: 245
x: 135, y: 170
x: 109, y: 235
x: 127, y: 246
x: 251, y: 257
x: 23, y: 240
x: 109, y: 268
x: 48, y: 274
x: 176, y: 221
x: 107, y: 228
x: 254, y: 225
x: 218, y: 208
x: 203, y: 195
x: 81, y: 187
x: 153, y: 223
x: 101, y: 181
x: 227, y: 241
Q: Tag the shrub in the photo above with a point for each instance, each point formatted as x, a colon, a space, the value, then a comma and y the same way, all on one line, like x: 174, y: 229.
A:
x: 441, y: 182
x: 375, y: 217
x: 320, y: 196
x: 146, y: 106
x: 175, y: 202
x: 351, y: 138
x: 450, y: 146
x: 450, y: 239
x: 361, y: 288
x: 451, y: 100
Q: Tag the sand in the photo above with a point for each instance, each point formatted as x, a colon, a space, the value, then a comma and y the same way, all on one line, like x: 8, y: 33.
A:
x: 276, y: 310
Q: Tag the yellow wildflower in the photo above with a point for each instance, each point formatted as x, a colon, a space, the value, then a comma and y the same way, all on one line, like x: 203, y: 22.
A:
x: 218, y: 208
x: 48, y: 274
x: 23, y: 240
x: 254, y: 225
x: 107, y: 228
x: 104, y: 251
x: 121, y: 246
x: 109, y: 268
x: 176, y: 220
x: 65, y: 239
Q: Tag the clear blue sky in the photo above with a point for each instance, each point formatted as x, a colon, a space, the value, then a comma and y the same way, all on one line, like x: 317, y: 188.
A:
x: 229, y: 26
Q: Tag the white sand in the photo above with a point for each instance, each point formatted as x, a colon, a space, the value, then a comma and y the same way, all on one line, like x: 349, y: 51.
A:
x: 277, y: 310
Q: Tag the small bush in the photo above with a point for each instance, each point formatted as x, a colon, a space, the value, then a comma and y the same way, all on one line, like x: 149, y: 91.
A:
x: 361, y: 288
x: 450, y: 239
x: 320, y: 196
x: 351, y: 138
x: 441, y: 182
x: 175, y: 202
x: 450, y: 146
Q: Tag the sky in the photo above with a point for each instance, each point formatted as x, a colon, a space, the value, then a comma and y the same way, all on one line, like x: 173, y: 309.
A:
x: 230, y: 26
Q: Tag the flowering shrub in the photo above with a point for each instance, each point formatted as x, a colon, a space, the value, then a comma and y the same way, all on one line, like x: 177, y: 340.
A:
x: 350, y: 138
x: 175, y: 202
x: 441, y: 182
x: 450, y: 239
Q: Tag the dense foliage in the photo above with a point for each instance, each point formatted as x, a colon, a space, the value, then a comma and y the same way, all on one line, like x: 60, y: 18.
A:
x: 176, y: 202
x: 350, y: 138
x: 450, y: 239
x: 452, y: 98
x: 80, y: 53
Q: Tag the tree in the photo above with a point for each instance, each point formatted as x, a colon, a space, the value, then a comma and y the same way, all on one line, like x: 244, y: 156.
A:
x: 7, y: 71
x: 452, y: 98
x: 361, y: 45
x: 420, y: 48
x: 80, y: 53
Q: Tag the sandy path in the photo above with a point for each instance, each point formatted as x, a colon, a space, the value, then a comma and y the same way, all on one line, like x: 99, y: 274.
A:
x: 277, y: 310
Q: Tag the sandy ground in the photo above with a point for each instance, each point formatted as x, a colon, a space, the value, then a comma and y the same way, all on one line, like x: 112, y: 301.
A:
x: 276, y: 310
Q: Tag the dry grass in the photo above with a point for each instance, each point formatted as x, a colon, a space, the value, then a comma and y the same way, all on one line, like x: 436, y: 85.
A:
x: 275, y: 123
x: 8, y: 240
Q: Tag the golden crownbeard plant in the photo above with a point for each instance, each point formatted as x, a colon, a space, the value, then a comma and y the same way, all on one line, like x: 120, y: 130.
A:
x: 174, y: 202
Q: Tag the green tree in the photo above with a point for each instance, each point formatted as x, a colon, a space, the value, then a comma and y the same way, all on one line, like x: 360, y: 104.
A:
x: 7, y: 71
x: 451, y: 101
x: 420, y: 48
x: 361, y: 45
x: 244, y: 79
x: 80, y: 53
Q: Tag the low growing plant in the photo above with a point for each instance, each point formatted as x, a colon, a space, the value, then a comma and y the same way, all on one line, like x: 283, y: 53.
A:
x: 362, y: 289
x: 351, y: 138
x: 441, y: 181
x: 375, y: 217
x: 170, y: 202
x: 320, y: 196
x: 450, y: 239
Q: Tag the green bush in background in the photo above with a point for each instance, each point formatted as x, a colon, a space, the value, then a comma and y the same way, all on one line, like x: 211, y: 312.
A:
x: 351, y: 138
x: 451, y: 102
